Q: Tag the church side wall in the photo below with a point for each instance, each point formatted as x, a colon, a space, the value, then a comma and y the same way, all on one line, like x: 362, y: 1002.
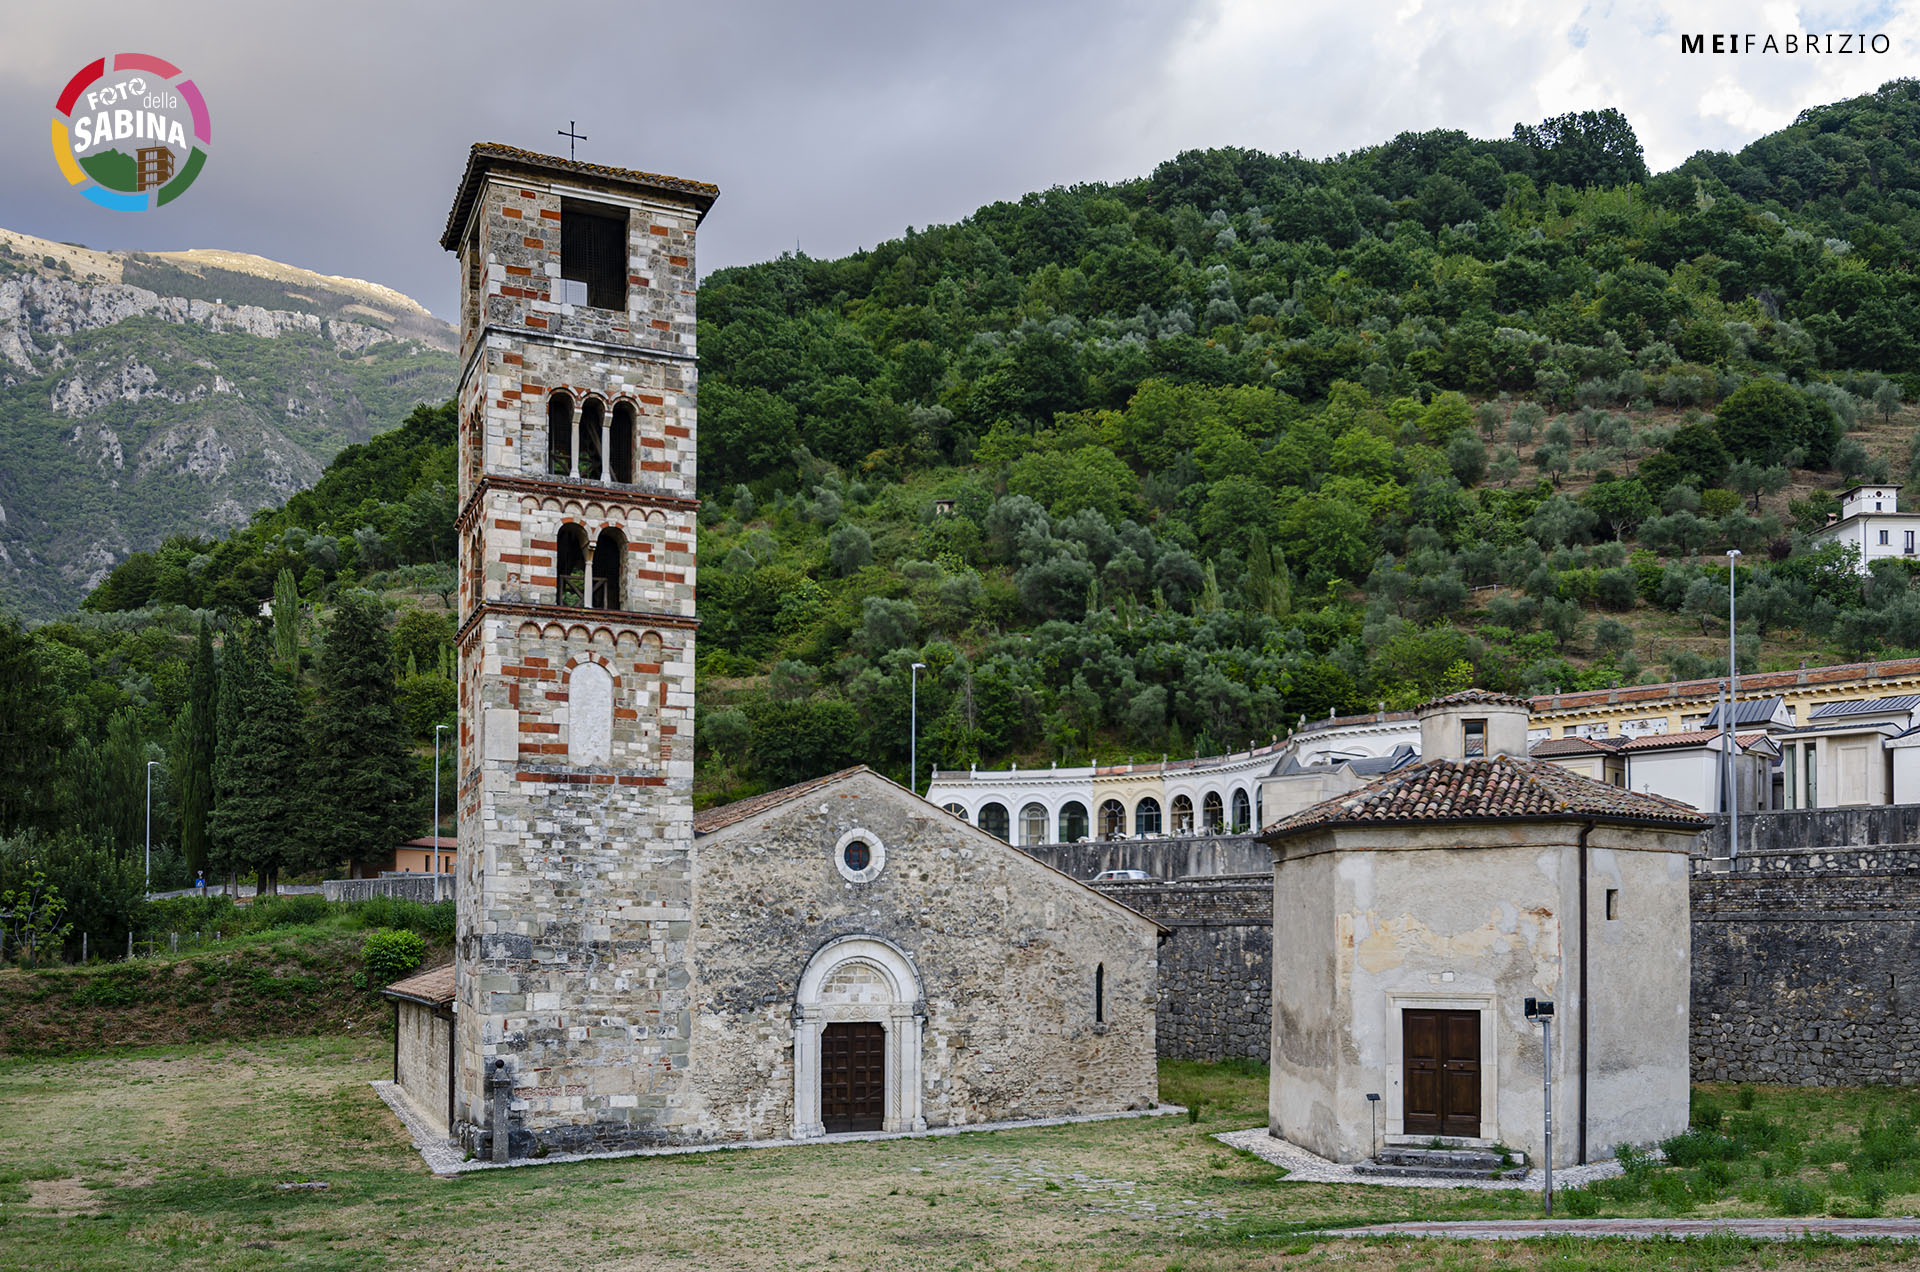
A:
x: 422, y: 1044
x: 1006, y: 952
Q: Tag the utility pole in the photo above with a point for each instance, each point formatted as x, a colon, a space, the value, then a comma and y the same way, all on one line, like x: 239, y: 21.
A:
x: 913, y: 731
x: 1733, y: 709
x: 150, y: 765
x: 438, y: 729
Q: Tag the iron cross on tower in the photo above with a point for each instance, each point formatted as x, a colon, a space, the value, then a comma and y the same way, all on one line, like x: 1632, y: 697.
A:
x: 572, y: 137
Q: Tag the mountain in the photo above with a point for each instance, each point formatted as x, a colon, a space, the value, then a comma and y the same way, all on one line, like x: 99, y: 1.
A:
x: 144, y: 395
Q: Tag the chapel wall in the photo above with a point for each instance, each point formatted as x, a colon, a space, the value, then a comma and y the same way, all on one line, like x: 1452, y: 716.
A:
x: 421, y: 1059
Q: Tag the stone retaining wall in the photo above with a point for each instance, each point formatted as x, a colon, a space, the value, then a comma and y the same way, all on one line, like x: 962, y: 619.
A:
x: 1806, y: 967
x: 1174, y: 857
x: 424, y: 888
x: 1216, y: 993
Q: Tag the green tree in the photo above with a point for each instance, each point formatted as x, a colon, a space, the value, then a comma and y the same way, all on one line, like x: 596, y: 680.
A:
x: 32, y: 735
x: 1761, y: 421
x: 262, y: 816
x: 286, y: 620
x: 1886, y: 400
x: 195, y: 736
x: 360, y: 774
x: 795, y: 741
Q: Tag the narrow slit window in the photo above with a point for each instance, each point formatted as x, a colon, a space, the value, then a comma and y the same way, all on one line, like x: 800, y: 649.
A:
x: 1100, y: 994
x: 593, y: 250
x: 620, y: 448
x: 1613, y: 903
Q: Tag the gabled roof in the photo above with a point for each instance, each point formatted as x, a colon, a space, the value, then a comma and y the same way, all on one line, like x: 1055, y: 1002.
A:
x: 488, y: 155
x: 741, y: 809
x: 1865, y: 706
x: 434, y: 988
x: 1754, y: 711
x: 1503, y: 788
x: 1693, y: 737
x: 1550, y: 748
x: 717, y: 819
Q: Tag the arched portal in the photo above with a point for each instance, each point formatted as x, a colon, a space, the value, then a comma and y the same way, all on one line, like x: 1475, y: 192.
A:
x: 1073, y: 822
x: 1146, y: 817
x: 1242, y: 813
x: 1033, y: 825
x: 850, y: 985
x: 1113, y: 820
x: 1214, y: 813
x: 1182, y: 815
x: 994, y: 820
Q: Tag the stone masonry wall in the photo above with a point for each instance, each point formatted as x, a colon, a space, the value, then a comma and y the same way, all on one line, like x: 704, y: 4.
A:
x: 1216, y: 997
x: 422, y: 1044
x: 1174, y: 857
x: 1806, y: 968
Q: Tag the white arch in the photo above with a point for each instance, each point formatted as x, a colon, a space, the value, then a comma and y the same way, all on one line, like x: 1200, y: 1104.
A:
x: 903, y: 1013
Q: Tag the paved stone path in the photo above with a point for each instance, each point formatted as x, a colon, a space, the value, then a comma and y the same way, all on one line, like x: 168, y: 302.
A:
x: 1758, y: 1229
x: 1304, y: 1167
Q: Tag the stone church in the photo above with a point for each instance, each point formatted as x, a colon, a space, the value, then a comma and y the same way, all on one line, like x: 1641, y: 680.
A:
x: 837, y: 956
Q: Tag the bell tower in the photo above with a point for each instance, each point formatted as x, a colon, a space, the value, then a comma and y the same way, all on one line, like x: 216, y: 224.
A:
x: 576, y: 533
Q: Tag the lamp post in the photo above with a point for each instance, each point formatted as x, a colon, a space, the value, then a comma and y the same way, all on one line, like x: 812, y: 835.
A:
x: 1733, y: 709
x: 1541, y: 1010
x: 438, y: 729
x: 1373, y: 1109
x: 913, y: 730
x: 150, y: 765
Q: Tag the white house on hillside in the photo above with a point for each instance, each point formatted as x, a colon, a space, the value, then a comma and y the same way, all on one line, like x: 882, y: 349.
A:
x: 1871, y: 521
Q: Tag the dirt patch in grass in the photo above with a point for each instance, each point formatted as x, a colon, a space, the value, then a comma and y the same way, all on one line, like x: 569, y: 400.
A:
x: 61, y: 1197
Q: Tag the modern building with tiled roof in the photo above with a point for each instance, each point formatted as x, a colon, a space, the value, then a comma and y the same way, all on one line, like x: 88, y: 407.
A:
x: 1413, y: 918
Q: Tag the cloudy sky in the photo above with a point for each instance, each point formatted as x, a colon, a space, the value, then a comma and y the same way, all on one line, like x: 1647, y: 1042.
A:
x: 340, y: 128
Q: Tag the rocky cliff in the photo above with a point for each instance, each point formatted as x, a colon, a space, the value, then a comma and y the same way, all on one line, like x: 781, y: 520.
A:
x: 148, y: 395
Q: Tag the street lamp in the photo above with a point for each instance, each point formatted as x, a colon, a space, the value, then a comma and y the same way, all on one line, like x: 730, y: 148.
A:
x: 1541, y: 1010
x: 150, y: 765
x: 913, y: 731
x: 1733, y: 709
x: 438, y: 729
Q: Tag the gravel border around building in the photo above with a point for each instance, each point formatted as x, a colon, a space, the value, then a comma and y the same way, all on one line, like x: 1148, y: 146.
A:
x: 444, y: 1157
x: 1310, y: 1168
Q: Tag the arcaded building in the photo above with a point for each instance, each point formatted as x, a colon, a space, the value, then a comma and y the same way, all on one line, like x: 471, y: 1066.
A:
x: 1414, y: 917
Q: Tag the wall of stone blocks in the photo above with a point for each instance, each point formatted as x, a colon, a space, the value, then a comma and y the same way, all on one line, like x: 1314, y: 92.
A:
x: 421, y: 1059
x: 1005, y: 949
x: 1765, y: 835
x: 1174, y: 857
x: 1216, y: 993
x: 427, y: 889
x: 1806, y: 968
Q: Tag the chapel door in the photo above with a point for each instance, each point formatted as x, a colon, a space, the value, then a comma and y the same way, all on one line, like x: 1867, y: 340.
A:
x: 853, y: 1077
x: 1441, y: 1072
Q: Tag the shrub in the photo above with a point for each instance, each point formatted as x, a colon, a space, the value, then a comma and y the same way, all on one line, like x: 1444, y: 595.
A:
x: 1796, y: 1198
x: 1744, y: 1097
x: 1579, y: 1203
x: 293, y: 911
x: 391, y: 954
x: 1887, y: 1147
x: 1696, y: 1147
x: 1671, y: 1191
x: 1711, y: 1180
x: 1705, y: 1113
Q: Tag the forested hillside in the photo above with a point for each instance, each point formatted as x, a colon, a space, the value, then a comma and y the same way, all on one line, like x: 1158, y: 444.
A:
x: 1168, y: 464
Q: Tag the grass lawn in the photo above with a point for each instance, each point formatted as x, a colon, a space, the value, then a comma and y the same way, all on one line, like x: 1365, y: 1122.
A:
x: 169, y: 1158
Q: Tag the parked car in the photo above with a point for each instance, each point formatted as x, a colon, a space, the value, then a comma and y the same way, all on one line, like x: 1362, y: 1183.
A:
x: 1122, y: 876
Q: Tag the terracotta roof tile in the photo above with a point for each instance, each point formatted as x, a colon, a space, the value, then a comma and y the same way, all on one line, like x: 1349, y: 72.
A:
x: 1572, y: 746
x: 1504, y: 788
x: 1473, y: 698
x: 1693, y: 737
x: 434, y: 987
x: 727, y: 814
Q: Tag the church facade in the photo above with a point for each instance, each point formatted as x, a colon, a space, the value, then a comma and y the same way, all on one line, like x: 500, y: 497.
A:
x: 618, y: 982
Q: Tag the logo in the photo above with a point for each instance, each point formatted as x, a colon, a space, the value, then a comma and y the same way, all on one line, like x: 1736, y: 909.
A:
x: 134, y: 137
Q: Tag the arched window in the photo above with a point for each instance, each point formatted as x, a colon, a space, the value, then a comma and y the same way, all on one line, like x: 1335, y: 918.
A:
x: 609, y: 560
x: 1182, y: 815
x: 956, y: 810
x: 560, y: 435
x: 1033, y: 824
x: 1113, y: 820
x: 593, y: 439
x: 1214, y: 813
x: 1100, y: 994
x: 570, y: 566
x: 1242, y: 814
x: 1259, y: 808
x: 620, y: 449
x: 1146, y: 817
x: 1073, y: 822
x: 993, y: 820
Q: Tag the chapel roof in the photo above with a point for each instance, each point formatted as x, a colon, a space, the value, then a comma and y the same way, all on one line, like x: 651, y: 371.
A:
x: 1472, y: 698
x: 487, y: 155
x: 1501, y: 788
x: 434, y: 987
x: 727, y: 814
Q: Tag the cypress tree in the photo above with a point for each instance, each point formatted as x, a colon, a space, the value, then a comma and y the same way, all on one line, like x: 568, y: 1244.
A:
x: 286, y: 620
x: 193, y: 753
x: 260, y: 808
x: 31, y: 737
x: 361, y: 777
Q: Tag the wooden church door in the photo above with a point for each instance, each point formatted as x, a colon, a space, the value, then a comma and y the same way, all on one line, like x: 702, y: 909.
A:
x: 853, y: 1077
x: 1441, y: 1073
